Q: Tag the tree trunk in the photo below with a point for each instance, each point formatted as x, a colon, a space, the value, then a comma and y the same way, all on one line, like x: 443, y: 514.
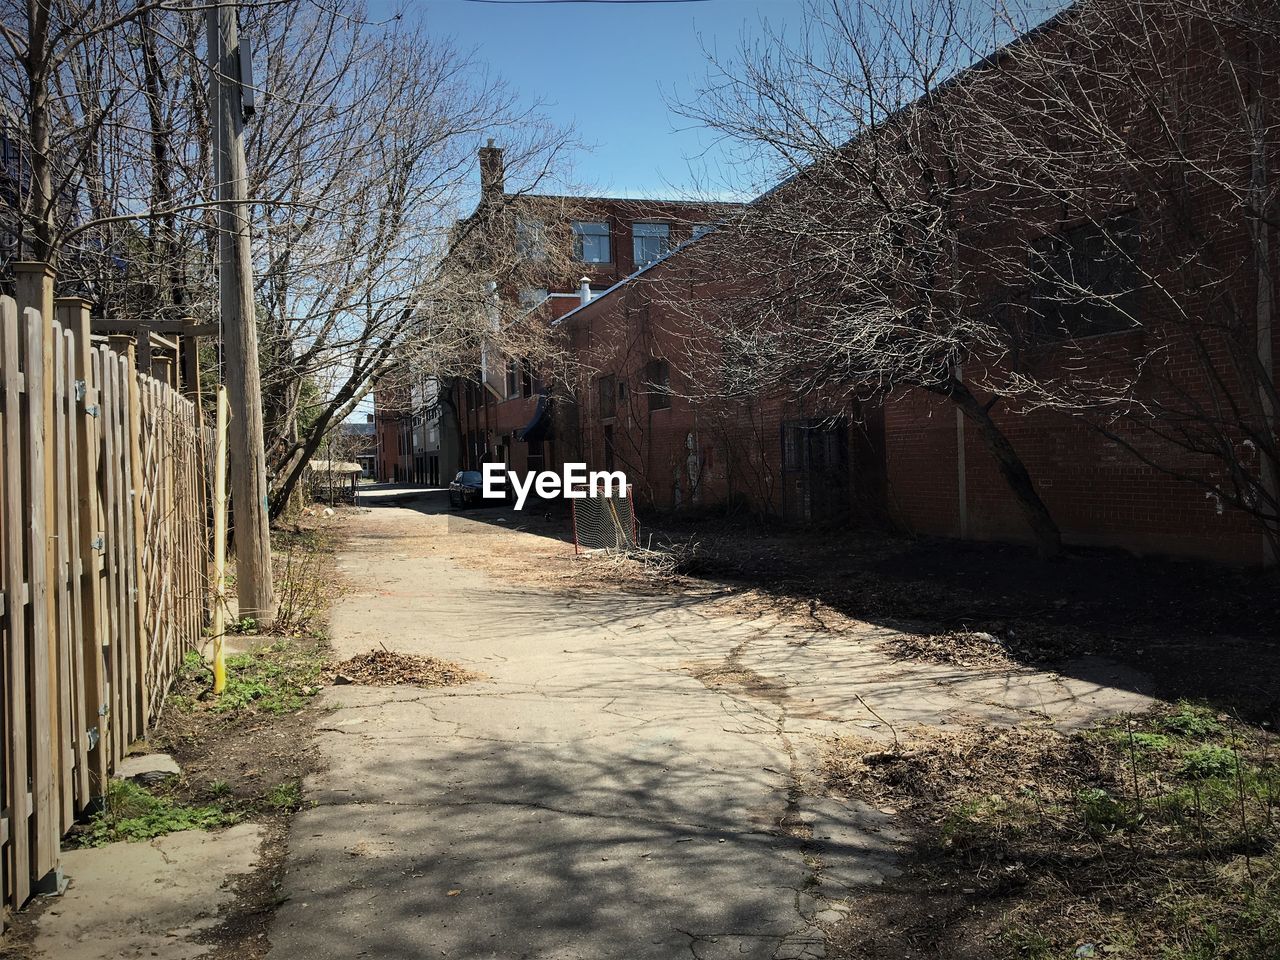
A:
x: 36, y: 64
x: 1047, y: 536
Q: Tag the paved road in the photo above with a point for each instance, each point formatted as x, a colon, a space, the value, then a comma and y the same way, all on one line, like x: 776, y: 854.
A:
x: 593, y: 798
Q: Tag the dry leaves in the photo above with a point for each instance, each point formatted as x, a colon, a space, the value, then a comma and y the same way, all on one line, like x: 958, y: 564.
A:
x: 382, y: 668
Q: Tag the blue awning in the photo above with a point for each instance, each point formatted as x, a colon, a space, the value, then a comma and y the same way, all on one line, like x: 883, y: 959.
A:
x: 536, y: 429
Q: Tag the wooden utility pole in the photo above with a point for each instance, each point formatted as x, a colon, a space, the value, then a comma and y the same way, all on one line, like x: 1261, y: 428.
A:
x: 220, y: 545
x: 239, y: 323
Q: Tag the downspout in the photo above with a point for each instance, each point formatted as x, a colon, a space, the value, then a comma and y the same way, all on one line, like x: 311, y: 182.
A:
x: 1265, y: 310
x: 962, y: 492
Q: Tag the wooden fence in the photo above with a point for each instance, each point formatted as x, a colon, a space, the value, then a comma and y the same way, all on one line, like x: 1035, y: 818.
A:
x: 103, y: 566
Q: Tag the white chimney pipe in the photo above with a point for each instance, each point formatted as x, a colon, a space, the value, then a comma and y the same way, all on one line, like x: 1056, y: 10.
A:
x: 584, y: 290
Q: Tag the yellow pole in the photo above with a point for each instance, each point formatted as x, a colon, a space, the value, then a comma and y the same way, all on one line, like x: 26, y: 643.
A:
x: 220, y: 544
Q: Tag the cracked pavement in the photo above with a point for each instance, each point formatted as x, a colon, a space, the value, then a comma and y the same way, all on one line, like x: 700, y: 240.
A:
x: 603, y: 793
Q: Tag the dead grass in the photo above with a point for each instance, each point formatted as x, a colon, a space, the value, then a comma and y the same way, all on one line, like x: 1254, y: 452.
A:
x: 1153, y: 836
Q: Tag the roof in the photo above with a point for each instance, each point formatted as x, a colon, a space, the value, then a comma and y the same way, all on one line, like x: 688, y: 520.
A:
x: 627, y: 279
x: 989, y: 60
x: 334, y: 466
x: 356, y: 428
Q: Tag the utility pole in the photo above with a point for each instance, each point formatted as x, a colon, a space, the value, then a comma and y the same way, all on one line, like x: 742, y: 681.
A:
x: 239, y: 319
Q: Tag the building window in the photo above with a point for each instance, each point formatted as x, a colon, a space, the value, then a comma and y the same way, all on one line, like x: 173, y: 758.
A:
x: 608, y: 389
x: 591, y: 242
x: 814, y: 446
x: 649, y: 242
x: 530, y: 297
x: 531, y: 241
x: 657, y: 375
x: 512, y: 388
x: 1085, y: 281
x: 526, y: 379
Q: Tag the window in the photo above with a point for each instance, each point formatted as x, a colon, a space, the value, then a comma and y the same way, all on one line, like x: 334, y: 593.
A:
x: 649, y: 242
x: 1085, y: 281
x: 531, y: 242
x: 530, y: 297
x: 608, y: 387
x: 657, y: 375
x: 591, y: 242
x: 512, y: 387
x: 526, y: 379
x: 610, y: 457
x: 814, y: 446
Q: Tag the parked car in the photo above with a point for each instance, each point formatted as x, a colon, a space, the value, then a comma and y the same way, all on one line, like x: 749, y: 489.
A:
x: 466, y: 490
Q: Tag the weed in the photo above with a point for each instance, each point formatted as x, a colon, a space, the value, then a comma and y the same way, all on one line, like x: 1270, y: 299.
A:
x: 1103, y: 813
x: 1143, y: 740
x: 1190, y: 720
x: 133, y: 813
x: 1208, y: 763
x: 278, y: 679
x: 300, y: 584
x: 285, y: 796
x: 1029, y: 944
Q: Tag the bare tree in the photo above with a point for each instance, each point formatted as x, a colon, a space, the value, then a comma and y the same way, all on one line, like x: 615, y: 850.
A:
x: 1141, y: 169
x: 364, y: 154
x: 1079, y: 221
x: 360, y: 159
x: 848, y: 279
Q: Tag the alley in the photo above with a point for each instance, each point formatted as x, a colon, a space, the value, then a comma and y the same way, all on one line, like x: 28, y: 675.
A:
x: 635, y: 777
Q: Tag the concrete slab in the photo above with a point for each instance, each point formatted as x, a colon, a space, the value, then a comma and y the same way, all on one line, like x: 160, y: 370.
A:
x: 636, y: 778
x: 134, y: 900
x: 147, y: 764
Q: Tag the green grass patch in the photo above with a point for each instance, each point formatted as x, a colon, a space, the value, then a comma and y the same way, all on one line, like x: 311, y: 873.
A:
x: 280, y: 678
x: 133, y: 813
x: 285, y: 796
x: 1190, y: 720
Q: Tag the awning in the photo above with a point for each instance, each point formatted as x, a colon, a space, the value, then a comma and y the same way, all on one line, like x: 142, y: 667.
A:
x: 535, y: 431
x: 334, y: 466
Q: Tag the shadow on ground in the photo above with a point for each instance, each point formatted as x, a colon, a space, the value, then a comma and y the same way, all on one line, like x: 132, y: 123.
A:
x: 1180, y: 629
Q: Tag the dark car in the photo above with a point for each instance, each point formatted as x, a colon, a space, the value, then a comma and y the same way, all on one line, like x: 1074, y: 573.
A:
x: 466, y: 490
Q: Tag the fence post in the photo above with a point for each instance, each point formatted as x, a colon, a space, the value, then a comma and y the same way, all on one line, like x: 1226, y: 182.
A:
x: 15, y: 666
x: 134, y: 389
x: 33, y: 284
x: 46, y: 820
x: 74, y: 314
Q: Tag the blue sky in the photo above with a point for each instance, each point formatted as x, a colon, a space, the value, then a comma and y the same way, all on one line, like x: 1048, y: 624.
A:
x: 603, y: 67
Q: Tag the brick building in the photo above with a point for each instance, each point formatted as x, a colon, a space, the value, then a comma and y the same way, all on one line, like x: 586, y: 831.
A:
x: 912, y: 456
x: 415, y: 434
x: 505, y: 413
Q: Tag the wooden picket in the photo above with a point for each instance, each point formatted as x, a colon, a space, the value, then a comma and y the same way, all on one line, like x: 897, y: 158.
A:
x: 104, y: 554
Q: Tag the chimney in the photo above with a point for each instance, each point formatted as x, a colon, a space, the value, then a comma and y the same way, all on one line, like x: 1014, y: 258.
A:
x: 584, y: 291
x: 493, y: 172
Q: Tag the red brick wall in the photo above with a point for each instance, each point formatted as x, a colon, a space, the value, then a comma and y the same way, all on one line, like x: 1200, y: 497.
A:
x: 706, y: 454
